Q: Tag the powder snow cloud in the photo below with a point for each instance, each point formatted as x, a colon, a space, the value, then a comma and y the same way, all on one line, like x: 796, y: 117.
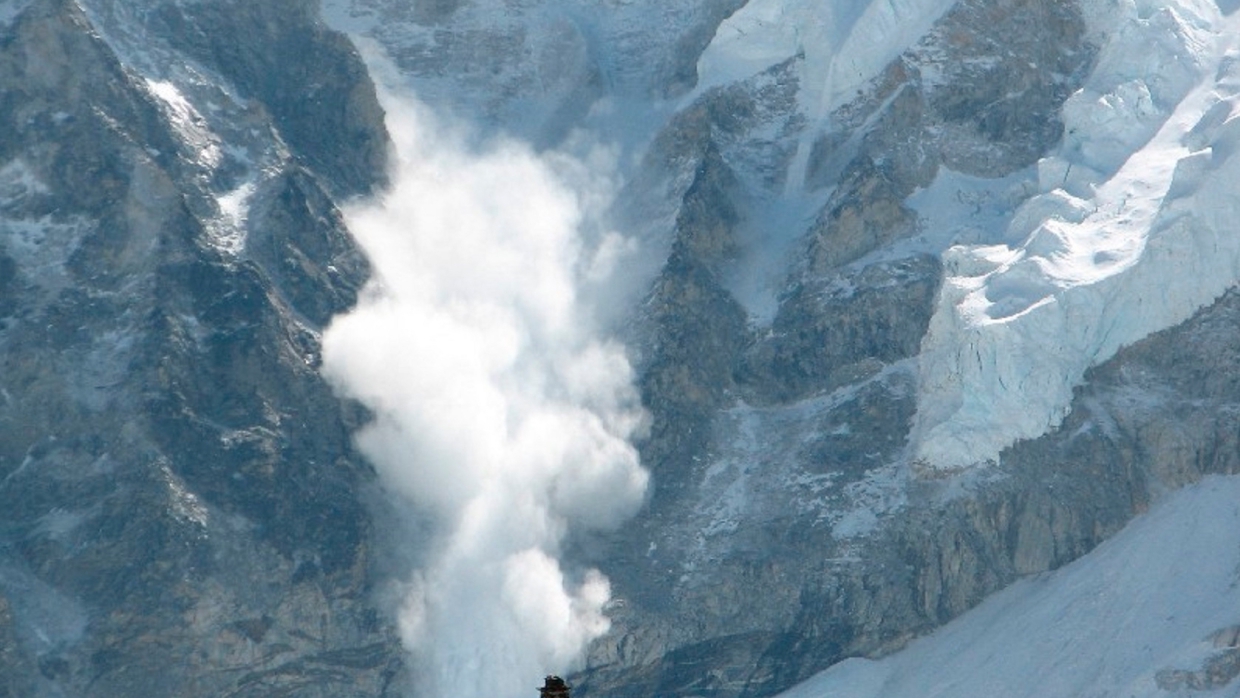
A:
x: 502, y: 411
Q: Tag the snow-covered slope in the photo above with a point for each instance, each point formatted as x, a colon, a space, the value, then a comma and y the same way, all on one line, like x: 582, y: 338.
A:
x: 1151, y: 613
x: 1133, y: 233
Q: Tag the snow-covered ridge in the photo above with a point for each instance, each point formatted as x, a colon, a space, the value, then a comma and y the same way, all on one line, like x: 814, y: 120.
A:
x: 1134, y: 232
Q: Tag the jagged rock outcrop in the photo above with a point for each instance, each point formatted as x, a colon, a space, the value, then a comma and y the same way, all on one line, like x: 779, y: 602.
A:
x: 180, y: 507
x: 309, y: 77
x: 1151, y: 418
x: 979, y: 95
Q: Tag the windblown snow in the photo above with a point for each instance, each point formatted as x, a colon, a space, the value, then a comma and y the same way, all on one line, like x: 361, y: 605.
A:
x: 1134, y: 231
x: 1146, y: 614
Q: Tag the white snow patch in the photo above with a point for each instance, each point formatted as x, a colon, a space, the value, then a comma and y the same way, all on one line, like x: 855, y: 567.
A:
x: 961, y: 209
x: 228, y: 233
x: 184, y: 504
x: 845, y: 44
x: 1098, y: 268
x: 188, y: 123
x: 1149, y: 599
x: 1152, y: 59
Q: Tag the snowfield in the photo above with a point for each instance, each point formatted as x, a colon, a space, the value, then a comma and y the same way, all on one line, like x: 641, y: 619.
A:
x: 1150, y: 606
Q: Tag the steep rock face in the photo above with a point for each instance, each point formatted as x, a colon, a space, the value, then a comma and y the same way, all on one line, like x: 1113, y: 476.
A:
x: 804, y: 506
x: 180, y: 498
x: 698, y: 329
x: 305, y: 76
x: 308, y: 76
x: 829, y: 335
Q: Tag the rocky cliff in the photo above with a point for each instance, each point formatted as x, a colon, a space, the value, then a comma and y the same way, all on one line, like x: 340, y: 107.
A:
x: 180, y: 497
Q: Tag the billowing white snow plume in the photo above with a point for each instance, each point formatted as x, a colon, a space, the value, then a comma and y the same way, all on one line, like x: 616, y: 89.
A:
x: 499, y: 409
x: 1134, y: 231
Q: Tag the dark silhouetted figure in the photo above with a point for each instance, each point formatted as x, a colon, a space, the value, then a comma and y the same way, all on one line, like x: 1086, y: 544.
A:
x: 554, y: 687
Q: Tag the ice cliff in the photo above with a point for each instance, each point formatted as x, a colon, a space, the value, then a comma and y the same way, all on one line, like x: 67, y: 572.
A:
x: 1132, y: 231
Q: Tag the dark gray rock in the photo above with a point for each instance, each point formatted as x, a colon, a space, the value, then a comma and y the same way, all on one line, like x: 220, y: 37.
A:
x: 842, y: 330
x: 697, y: 328
x: 1159, y: 415
x: 301, y: 242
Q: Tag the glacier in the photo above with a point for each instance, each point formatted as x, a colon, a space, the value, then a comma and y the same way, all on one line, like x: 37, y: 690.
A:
x: 1132, y: 233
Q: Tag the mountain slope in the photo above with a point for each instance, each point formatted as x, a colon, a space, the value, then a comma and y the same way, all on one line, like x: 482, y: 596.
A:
x: 179, y: 499
x: 923, y: 300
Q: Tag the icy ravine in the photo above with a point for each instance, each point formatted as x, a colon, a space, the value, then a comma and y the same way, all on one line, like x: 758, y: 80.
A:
x: 1102, y: 266
x: 1140, y: 607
